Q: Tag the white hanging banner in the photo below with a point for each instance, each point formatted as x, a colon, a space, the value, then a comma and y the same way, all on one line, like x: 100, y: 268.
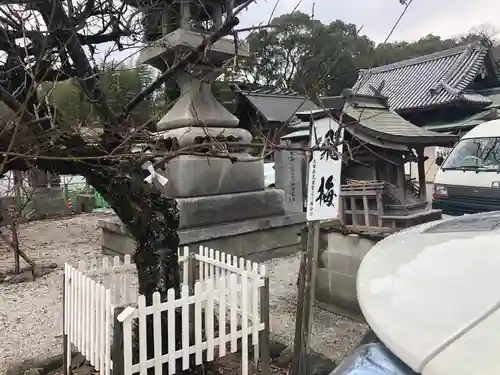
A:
x: 323, y: 184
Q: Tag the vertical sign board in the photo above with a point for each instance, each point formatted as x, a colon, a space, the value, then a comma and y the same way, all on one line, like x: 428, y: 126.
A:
x: 289, y: 178
x: 323, y: 193
x: 323, y: 185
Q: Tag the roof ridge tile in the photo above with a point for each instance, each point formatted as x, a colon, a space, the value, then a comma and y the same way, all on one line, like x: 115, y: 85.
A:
x: 425, y: 58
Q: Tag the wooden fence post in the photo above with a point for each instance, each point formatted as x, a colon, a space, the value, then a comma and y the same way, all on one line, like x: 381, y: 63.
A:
x: 264, y: 335
x: 191, y: 272
x: 191, y: 281
x: 117, y: 345
x: 65, y: 333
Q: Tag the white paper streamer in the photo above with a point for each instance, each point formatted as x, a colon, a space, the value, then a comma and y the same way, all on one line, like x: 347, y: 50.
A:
x: 153, y: 175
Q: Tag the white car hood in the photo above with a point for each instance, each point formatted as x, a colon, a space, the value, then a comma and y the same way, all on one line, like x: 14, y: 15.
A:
x: 432, y: 295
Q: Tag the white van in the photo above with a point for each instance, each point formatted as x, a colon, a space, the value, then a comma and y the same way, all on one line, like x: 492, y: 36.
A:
x: 468, y: 180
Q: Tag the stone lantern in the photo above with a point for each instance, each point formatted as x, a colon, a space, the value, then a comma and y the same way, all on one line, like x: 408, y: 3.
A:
x: 222, y: 203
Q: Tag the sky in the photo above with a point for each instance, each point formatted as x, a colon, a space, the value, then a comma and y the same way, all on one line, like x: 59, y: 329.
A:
x: 446, y: 18
x: 440, y: 17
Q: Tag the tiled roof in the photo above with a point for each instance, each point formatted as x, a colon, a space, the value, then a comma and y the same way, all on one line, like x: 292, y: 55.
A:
x: 492, y: 94
x: 475, y: 98
x: 465, y: 123
x: 252, y: 88
x: 428, y: 80
x: 376, y: 119
x: 369, y: 119
x: 304, y: 133
x: 332, y: 102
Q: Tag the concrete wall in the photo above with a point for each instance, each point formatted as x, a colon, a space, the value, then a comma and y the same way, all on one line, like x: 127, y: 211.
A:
x: 338, y: 265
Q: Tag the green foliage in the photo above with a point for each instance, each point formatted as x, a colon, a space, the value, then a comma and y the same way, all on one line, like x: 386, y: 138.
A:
x: 70, y: 102
x: 120, y: 84
x: 397, y: 51
x: 308, y: 56
x: 277, y: 53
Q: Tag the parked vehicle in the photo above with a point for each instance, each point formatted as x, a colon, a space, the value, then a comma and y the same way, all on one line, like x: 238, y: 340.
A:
x: 430, y: 295
x: 468, y: 180
x: 269, y: 175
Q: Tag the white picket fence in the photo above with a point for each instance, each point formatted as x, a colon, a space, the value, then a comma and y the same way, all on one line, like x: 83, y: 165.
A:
x: 102, y: 302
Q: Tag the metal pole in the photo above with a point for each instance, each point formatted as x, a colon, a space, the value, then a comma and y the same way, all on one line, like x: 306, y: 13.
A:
x: 66, y: 192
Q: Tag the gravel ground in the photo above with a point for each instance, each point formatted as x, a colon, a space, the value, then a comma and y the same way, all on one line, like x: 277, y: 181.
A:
x: 332, y: 335
x: 30, y: 313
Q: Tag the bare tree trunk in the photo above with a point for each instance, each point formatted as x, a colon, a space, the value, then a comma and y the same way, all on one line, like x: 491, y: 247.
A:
x: 153, y: 220
x: 15, y: 217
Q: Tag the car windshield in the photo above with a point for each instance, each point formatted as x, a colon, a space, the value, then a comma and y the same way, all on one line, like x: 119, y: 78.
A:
x: 474, y: 154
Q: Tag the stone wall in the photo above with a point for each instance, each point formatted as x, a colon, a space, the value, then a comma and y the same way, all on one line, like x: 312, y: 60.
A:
x: 338, y: 265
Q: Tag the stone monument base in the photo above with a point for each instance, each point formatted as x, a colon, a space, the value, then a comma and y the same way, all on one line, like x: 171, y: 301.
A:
x: 202, y: 212
x: 257, y: 239
x: 200, y: 176
x: 44, y: 203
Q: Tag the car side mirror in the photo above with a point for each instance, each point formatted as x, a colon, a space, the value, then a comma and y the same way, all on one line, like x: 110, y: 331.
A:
x: 439, y: 160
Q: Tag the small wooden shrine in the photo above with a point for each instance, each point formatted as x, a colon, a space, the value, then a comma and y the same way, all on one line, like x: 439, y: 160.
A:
x: 376, y: 194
